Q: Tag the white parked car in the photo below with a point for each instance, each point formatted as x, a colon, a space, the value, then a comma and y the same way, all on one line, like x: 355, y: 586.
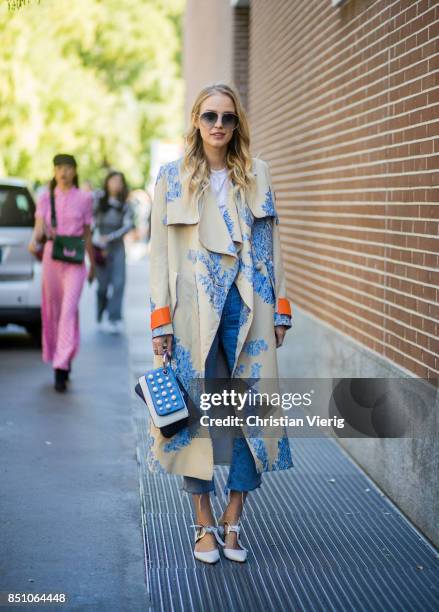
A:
x: 20, y: 272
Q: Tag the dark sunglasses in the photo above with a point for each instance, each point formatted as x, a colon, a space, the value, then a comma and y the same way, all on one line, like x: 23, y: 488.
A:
x: 229, y: 121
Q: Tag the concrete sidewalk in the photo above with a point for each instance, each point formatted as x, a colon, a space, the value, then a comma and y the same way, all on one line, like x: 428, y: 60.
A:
x: 70, y: 516
x: 80, y: 513
x: 321, y: 536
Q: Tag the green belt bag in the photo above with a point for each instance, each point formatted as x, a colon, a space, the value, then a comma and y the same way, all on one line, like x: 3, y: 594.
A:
x: 66, y: 248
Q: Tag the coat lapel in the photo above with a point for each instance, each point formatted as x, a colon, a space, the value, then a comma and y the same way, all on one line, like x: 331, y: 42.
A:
x: 203, y: 271
x: 261, y: 199
x: 224, y: 234
x: 233, y: 221
x: 186, y: 211
x: 214, y: 228
x: 182, y: 211
x: 214, y: 234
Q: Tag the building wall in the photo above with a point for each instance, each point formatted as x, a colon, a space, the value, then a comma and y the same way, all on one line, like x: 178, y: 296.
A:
x: 344, y: 104
x: 207, y: 53
x: 240, y: 56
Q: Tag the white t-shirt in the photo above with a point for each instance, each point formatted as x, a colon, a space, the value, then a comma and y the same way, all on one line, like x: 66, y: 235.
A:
x: 220, y: 186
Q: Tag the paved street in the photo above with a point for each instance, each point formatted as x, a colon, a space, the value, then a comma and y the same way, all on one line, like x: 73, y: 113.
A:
x: 69, y: 509
x: 80, y: 513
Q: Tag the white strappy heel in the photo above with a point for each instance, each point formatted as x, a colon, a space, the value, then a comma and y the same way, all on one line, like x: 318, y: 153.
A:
x: 233, y: 554
x: 208, y: 556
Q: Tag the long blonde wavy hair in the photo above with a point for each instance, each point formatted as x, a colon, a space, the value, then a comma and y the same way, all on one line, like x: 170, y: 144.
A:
x: 238, y: 159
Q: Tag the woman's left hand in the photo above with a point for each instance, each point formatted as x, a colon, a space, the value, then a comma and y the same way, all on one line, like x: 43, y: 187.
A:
x: 279, y: 332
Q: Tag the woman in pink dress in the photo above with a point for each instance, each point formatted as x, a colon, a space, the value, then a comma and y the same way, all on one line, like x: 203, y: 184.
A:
x: 62, y: 281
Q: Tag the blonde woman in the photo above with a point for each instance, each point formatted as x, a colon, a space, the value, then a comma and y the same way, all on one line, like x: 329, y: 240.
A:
x: 217, y: 297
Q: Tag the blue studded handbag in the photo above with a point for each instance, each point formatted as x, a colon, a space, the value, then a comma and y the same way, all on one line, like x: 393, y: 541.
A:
x: 160, y: 390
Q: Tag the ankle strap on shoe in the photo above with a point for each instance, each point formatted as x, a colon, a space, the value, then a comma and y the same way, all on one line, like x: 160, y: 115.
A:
x: 236, y: 528
x: 201, y: 531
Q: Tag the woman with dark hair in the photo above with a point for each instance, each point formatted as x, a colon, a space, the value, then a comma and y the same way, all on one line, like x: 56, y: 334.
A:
x: 63, y: 217
x: 114, y: 217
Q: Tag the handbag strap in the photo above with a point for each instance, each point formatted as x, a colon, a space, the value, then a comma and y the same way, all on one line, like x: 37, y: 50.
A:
x: 52, y: 207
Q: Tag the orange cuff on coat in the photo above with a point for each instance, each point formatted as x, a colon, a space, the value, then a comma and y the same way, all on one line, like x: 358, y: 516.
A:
x: 283, y: 306
x: 160, y: 316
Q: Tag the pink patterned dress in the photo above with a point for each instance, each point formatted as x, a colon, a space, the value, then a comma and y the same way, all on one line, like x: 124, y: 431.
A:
x: 62, y: 281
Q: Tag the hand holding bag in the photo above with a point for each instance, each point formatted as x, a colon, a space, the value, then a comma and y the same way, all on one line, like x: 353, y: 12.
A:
x: 100, y: 255
x: 100, y: 252
x: 36, y: 248
x: 70, y: 249
x: 160, y: 390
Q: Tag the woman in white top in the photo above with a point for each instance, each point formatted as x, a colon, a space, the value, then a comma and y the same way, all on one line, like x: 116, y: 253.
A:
x: 217, y: 282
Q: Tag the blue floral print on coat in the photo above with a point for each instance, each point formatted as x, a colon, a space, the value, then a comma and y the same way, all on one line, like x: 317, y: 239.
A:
x: 254, y: 347
x: 268, y: 206
x: 262, y: 244
x: 262, y: 285
x: 255, y: 371
x: 171, y: 171
x: 184, y: 368
x: 261, y: 282
x: 179, y: 440
x: 284, y: 459
x: 217, y: 280
x: 228, y: 221
x: 261, y: 451
x: 198, y: 252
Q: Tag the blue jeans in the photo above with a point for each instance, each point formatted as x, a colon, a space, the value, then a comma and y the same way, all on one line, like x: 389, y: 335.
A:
x: 242, y: 474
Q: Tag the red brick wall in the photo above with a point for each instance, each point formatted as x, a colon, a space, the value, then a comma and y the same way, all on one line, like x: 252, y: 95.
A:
x: 344, y: 105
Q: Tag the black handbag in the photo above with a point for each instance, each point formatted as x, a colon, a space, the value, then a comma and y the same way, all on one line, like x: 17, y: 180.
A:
x: 70, y: 249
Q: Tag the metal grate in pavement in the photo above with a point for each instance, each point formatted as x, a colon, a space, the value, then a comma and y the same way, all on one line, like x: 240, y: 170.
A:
x: 321, y: 537
x: 222, y: 588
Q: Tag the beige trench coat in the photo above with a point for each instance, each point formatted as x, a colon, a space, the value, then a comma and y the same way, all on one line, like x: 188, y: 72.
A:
x: 196, y: 254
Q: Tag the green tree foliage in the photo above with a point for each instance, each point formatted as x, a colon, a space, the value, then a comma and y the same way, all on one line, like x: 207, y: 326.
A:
x: 14, y: 5
x: 98, y: 78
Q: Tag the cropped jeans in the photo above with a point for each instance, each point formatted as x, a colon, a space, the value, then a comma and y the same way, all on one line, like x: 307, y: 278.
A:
x: 242, y: 474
